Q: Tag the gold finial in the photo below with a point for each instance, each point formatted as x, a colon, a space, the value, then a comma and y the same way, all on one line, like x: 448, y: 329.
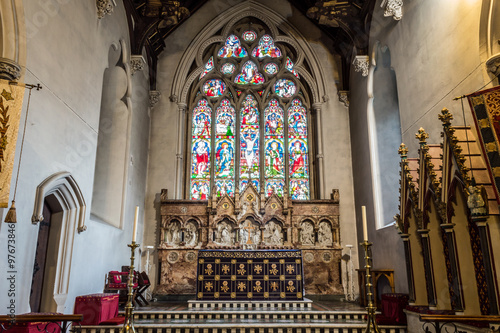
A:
x: 421, y: 135
x: 403, y: 151
x: 446, y: 117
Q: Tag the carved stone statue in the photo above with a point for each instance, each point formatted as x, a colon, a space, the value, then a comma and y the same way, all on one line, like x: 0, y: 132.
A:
x: 173, y: 233
x: 191, y: 234
x: 307, y: 234
x: 224, y: 235
x: 273, y: 234
x: 477, y: 201
x: 325, y: 234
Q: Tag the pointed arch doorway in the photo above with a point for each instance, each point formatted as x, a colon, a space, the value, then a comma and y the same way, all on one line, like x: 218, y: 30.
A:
x: 60, y: 210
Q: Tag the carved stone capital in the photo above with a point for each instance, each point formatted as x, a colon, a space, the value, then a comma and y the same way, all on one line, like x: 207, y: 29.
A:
x: 344, y: 97
x: 493, y: 64
x: 104, y: 7
x: 361, y: 64
x: 154, y: 98
x: 393, y: 8
x: 173, y: 98
x: 9, y: 70
x: 137, y: 63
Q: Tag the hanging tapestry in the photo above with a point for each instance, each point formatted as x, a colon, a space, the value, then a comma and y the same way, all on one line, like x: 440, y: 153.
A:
x: 11, y: 102
x: 485, y: 107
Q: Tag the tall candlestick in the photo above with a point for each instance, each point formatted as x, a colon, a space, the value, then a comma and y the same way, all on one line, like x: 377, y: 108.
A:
x: 134, y: 233
x: 365, y: 225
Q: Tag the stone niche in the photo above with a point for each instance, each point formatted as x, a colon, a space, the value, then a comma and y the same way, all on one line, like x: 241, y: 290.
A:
x: 250, y: 221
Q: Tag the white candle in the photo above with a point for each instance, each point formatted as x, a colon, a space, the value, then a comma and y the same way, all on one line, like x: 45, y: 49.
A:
x: 365, y: 225
x: 134, y: 233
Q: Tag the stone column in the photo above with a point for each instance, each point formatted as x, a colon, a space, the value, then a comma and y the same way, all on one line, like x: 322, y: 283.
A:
x: 12, y: 40
x: 429, y: 276
x: 319, y: 156
x: 179, y: 171
x: 409, y: 269
x: 484, y: 237
x: 457, y: 302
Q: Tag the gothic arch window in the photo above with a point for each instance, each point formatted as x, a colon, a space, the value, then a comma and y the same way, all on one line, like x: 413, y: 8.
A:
x: 249, y: 119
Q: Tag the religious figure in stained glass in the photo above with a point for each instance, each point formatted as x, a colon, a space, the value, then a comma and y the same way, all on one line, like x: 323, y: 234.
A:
x: 249, y: 162
x: 297, y: 124
x: 298, y: 159
x: 214, y: 88
x: 228, y: 68
x: 275, y: 186
x: 266, y: 48
x: 224, y: 158
x: 225, y: 119
x: 249, y: 74
x: 232, y: 48
x: 274, y: 158
x: 200, y: 190
x: 284, y: 88
x: 249, y: 111
x: 223, y: 186
x: 274, y: 118
x: 201, y: 159
x: 299, y: 189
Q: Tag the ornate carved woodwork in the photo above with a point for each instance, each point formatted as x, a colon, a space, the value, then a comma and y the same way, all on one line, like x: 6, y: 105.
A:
x: 250, y: 221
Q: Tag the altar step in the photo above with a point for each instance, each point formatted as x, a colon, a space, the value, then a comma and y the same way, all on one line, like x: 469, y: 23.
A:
x: 245, y: 327
x: 256, y: 314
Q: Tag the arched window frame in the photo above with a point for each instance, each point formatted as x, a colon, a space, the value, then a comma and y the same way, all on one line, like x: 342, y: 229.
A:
x: 263, y: 95
x: 191, y: 65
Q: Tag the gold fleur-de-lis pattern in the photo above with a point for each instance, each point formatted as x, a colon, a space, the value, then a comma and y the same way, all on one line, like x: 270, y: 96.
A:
x: 243, y: 275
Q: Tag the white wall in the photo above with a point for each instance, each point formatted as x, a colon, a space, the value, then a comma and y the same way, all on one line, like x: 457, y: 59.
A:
x: 67, y: 53
x: 435, y: 54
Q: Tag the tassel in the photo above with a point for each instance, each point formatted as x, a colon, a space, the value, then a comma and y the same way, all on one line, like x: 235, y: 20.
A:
x: 11, y: 214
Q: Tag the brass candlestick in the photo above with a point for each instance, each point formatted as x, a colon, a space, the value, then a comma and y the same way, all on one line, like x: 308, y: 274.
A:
x: 128, y: 325
x: 371, y: 325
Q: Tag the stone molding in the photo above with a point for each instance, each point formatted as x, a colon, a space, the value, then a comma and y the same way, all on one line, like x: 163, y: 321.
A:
x: 137, y: 63
x: 9, y: 70
x: 393, y: 8
x: 344, y: 97
x: 493, y: 64
x: 104, y: 7
x: 361, y: 64
x: 154, y: 98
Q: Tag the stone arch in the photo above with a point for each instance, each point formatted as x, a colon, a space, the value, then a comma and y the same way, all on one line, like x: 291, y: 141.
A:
x: 307, y: 233
x: 172, y: 233
x: 191, y: 232
x: 274, y: 232
x: 64, y: 192
x: 181, y: 84
x: 12, y: 40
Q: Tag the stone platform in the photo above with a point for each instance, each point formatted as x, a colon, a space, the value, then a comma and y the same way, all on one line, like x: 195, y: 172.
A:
x: 249, y: 317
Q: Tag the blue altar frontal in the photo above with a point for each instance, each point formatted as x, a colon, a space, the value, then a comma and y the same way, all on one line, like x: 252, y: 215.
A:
x: 250, y: 275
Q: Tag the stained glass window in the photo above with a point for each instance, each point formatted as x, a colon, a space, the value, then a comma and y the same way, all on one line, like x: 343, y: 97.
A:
x: 232, y: 48
x: 208, y: 67
x: 200, y: 162
x: 249, y: 139
x: 298, y: 151
x: 249, y: 120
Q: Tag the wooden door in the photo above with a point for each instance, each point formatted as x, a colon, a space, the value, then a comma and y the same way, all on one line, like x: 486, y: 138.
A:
x: 40, y: 259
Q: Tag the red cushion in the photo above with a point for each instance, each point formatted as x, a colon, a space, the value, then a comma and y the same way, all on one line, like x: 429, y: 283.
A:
x: 113, y: 321
x: 117, y: 279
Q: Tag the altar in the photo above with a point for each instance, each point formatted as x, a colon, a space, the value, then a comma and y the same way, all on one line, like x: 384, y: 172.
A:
x: 250, y: 275
x: 307, y: 230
